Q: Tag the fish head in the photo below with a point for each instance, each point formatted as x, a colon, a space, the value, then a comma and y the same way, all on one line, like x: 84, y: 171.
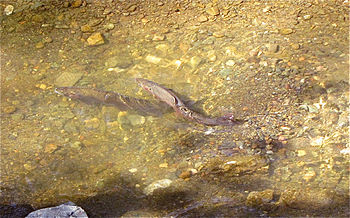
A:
x: 146, y: 84
x: 68, y: 92
x: 159, y: 92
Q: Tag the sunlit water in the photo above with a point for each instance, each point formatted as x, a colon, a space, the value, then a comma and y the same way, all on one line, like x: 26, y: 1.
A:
x: 291, y: 154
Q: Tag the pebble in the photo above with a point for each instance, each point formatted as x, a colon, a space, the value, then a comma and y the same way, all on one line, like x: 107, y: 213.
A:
x: 163, y: 47
x: 50, y: 148
x: 9, y: 10
x: 230, y: 63
x: 77, y: 3
x: 28, y: 166
x: 93, y: 123
x: 301, y: 153
x: 68, y: 79
x: 267, y: 9
x: 185, y: 174
x: 153, y: 59
x: 202, y: 18
x: 309, y: 175
x: 259, y: 198
x: 17, y: 117
x: 86, y: 28
x: 163, y: 165
x: 307, y: 17
x: 9, y: 109
x: 109, y: 26
x: 213, y: 11
x: 211, y: 56
x: 158, y: 37
x: 219, y: 34
x: 195, y: 61
x: 133, y: 170
x: 42, y: 86
x: 132, y: 8
x: 286, y: 31
x: 39, y: 45
x: 76, y: 145
x: 273, y: 48
x: 159, y: 184
x: 295, y: 46
x: 95, y: 39
x: 47, y: 39
x: 136, y: 120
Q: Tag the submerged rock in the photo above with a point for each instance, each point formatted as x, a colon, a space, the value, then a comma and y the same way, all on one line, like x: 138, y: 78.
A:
x: 68, y: 209
x: 163, y: 183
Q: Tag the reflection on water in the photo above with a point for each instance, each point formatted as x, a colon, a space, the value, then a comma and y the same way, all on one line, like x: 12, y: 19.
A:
x: 290, y: 157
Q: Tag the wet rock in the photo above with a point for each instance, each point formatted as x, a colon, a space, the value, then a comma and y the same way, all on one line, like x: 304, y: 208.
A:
x: 93, y: 123
x: 17, y: 117
x: 159, y: 184
x: 317, y: 199
x: 132, y: 8
x: 163, y: 165
x: 164, y: 48
x: 202, y: 18
x: 273, y: 48
x: 9, y: 10
x: 158, y: 37
x: 195, y: 61
x: 295, y: 46
x: 109, y: 26
x: 309, y: 175
x: 153, y: 59
x: 86, y: 29
x: 61, y: 26
x: 260, y: 199
x: 9, y: 109
x: 39, y: 45
x: 286, y: 31
x: 47, y: 39
x: 136, y: 120
x: 187, y: 173
x: 267, y: 9
x: 50, y: 148
x: 230, y: 63
x: 219, y: 34
x: 95, y: 39
x: 77, y: 3
x: 68, y: 79
x: 225, y: 72
x: 29, y: 166
x: 213, y: 11
x: 65, y: 210
x: 211, y: 56
x: 307, y: 17
x: 301, y: 153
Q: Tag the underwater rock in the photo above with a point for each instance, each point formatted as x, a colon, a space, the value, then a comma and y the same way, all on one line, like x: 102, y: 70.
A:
x: 68, y: 209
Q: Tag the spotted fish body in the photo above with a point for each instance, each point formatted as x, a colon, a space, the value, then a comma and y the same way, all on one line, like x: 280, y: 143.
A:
x: 122, y: 102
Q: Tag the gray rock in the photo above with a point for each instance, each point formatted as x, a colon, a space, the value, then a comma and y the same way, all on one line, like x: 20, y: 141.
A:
x: 163, y: 183
x: 68, y: 209
x: 68, y: 79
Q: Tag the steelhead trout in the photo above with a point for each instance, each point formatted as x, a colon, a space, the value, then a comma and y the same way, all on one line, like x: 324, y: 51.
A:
x: 122, y: 102
x: 169, y: 97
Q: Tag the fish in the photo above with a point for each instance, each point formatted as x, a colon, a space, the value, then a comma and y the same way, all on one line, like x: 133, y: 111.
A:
x: 169, y: 97
x: 122, y: 102
x: 160, y: 92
